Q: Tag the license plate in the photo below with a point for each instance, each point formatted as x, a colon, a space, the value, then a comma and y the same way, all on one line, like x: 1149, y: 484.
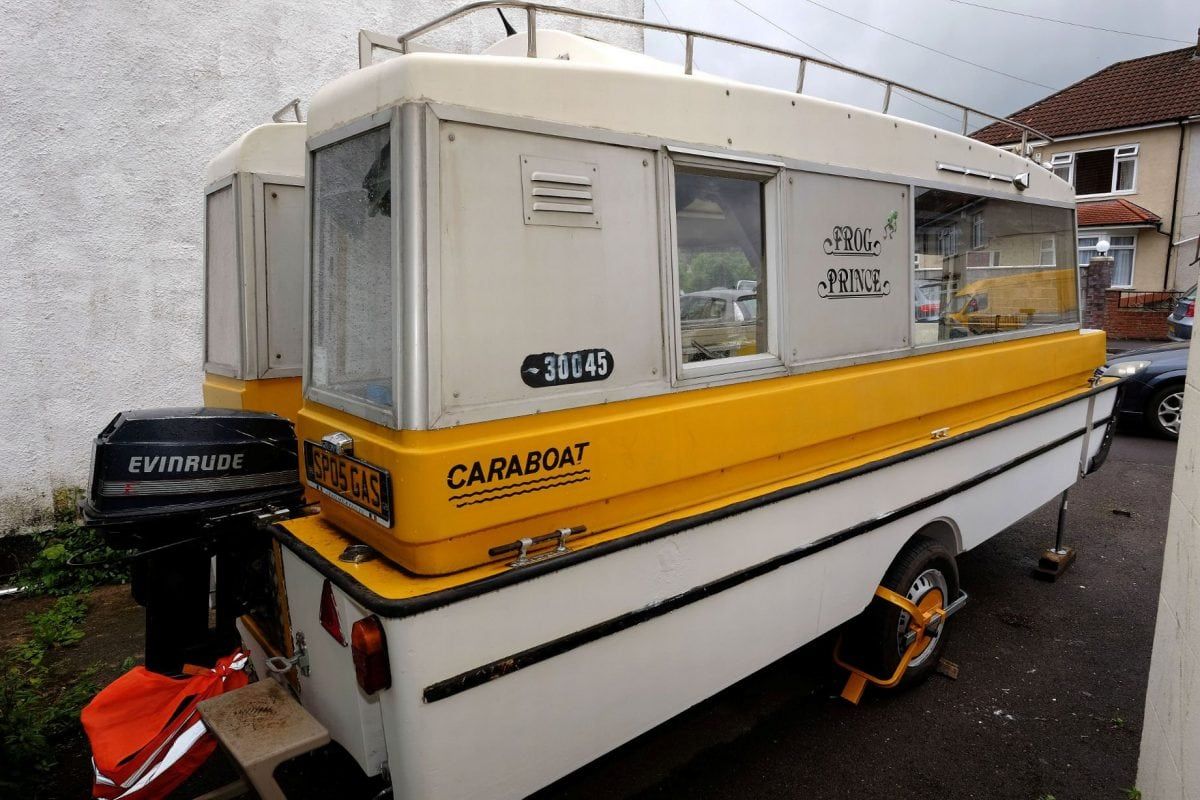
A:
x: 353, y: 483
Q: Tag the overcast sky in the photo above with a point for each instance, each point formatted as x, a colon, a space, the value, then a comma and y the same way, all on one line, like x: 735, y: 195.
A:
x: 1037, y: 51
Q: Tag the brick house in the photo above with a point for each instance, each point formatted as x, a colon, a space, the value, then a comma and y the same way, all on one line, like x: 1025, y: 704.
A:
x: 1127, y: 139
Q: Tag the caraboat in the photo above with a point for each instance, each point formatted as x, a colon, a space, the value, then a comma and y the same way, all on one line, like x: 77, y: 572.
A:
x: 631, y: 381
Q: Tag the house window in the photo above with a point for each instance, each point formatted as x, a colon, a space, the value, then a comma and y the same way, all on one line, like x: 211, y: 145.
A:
x: 1113, y: 169
x: 947, y: 241
x: 1122, y: 249
x: 1062, y: 165
x: 1048, y: 256
x: 1107, y: 171
x: 977, y: 237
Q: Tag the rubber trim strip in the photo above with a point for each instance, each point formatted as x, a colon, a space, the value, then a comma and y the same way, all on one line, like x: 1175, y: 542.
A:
x: 408, y: 606
x: 510, y: 664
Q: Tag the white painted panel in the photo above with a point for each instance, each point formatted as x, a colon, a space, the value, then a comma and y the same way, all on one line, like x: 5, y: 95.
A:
x: 283, y: 225
x: 330, y: 691
x: 847, y: 267
x: 511, y: 289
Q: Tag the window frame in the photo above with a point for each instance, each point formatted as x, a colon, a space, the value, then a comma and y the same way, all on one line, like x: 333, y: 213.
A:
x: 389, y: 416
x: 770, y: 174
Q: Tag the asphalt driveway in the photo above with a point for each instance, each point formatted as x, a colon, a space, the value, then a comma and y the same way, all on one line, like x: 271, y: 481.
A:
x: 1047, y: 704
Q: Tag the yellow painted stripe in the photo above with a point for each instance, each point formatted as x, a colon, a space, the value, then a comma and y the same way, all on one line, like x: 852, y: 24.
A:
x: 667, y: 457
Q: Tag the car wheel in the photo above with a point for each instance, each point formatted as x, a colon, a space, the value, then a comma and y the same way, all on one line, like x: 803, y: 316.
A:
x: 925, y: 573
x: 1164, y: 412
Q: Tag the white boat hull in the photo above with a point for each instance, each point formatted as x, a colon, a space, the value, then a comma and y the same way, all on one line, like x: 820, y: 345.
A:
x: 499, y: 694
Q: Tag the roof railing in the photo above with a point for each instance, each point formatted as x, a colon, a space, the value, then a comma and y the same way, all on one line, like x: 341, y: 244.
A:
x: 403, y: 43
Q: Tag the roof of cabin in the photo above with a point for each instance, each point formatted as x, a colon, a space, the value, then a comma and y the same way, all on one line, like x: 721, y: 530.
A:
x: 581, y: 82
x: 276, y: 148
x: 1140, y: 91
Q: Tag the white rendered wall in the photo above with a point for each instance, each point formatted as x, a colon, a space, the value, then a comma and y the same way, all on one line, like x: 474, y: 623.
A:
x: 1168, y: 767
x: 110, y: 112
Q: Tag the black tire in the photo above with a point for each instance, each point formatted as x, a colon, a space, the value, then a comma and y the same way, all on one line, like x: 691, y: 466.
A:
x: 878, y: 632
x: 1164, y: 412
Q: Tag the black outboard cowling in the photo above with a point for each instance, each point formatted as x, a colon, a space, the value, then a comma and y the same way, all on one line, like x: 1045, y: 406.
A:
x: 186, y: 488
x: 190, y: 464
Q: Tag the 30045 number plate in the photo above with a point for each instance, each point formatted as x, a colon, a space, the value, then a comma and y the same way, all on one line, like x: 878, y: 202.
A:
x: 556, y: 369
x: 353, y: 483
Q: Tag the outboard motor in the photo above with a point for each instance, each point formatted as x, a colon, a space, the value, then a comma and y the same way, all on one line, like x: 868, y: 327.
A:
x: 182, y: 486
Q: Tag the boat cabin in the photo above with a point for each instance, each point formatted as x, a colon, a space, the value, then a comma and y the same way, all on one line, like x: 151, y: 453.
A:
x: 253, y: 271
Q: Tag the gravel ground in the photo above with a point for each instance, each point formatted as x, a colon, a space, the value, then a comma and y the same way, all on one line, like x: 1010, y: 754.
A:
x: 1048, y: 701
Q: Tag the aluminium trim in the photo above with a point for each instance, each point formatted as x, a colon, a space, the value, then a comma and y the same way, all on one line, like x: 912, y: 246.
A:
x: 404, y: 607
x: 563, y: 644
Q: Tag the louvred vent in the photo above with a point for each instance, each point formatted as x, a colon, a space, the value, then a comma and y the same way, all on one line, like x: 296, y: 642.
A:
x: 558, y: 192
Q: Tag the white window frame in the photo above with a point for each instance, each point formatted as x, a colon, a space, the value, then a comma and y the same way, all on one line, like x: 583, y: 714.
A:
x: 1123, y: 152
x: 993, y: 259
x: 1052, y: 249
x: 1109, y: 233
x: 770, y: 174
x: 978, y: 237
x: 1059, y: 160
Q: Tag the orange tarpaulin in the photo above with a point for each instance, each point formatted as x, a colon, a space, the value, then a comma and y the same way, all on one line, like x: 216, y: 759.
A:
x: 145, y: 730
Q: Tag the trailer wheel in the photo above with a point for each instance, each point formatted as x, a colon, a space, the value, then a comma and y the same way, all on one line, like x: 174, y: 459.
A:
x: 926, y: 573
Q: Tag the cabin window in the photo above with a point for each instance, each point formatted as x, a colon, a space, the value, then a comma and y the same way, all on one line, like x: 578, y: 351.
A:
x: 1014, y: 277
x: 721, y: 265
x: 351, y: 353
x: 223, y: 320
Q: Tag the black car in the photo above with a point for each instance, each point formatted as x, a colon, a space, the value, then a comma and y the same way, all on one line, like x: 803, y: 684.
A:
x: 1153, y: 391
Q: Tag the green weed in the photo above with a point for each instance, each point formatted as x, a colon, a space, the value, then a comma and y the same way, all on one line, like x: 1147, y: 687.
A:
x: 37, y: 706
x: 51, y: 571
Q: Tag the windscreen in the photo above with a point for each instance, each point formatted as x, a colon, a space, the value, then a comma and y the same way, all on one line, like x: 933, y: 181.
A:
x: 351, y: 283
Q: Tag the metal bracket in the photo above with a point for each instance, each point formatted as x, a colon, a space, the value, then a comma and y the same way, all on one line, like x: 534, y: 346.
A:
x: 299, y: 661
x: 293, y: 106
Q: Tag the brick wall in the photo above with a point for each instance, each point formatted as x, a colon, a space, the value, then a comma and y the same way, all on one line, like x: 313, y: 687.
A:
x: 1134, y: 322
x: 1102, y: 307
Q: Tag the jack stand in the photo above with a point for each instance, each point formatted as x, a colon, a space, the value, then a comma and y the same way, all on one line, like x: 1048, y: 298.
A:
x: 1056, y: 561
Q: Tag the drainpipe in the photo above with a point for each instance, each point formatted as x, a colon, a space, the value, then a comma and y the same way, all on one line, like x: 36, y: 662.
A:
x: 1174, y: 204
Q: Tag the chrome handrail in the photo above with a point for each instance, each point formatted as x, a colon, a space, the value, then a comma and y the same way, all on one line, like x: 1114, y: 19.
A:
x: 690, y: 35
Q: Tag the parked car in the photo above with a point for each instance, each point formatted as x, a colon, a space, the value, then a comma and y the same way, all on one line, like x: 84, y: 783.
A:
x: 1153, y: 393
x: 718, y: 323
x: 1179, y: 323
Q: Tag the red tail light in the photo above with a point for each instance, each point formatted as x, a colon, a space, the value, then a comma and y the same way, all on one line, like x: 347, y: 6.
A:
x: 1191, y: 309
x: 369, y: 647
x: 329, y: 614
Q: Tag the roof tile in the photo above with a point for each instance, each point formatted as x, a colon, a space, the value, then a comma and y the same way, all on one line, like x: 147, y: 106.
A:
x: 1141, y: 91
x: 1117, y: 211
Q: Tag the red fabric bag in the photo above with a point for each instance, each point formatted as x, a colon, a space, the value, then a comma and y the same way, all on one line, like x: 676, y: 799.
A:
x: 145, y: 730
